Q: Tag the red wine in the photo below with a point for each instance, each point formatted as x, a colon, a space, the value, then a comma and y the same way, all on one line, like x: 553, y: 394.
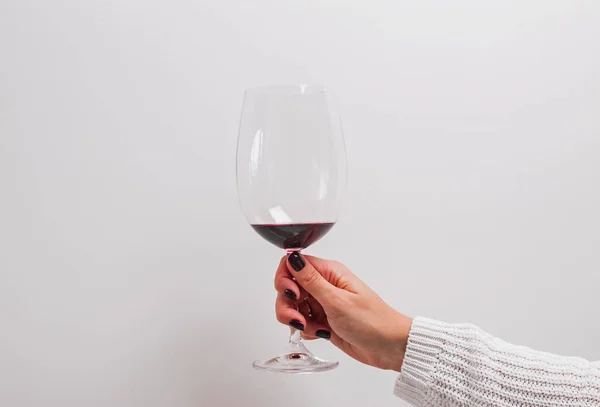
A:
x: 295, y: 236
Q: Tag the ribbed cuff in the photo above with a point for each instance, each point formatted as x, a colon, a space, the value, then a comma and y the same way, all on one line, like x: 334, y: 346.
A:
x: 425, y: 342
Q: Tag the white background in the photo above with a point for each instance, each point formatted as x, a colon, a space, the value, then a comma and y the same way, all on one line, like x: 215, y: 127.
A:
x: 128, y: 276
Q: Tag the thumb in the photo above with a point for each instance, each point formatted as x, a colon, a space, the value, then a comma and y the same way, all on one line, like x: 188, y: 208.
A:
x: 308, y: 277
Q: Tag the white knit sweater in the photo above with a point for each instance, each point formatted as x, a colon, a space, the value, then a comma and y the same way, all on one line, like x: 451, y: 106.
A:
x: 460, y: 365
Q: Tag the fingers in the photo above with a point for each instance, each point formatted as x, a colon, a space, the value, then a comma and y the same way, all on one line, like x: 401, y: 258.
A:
x: 284, y: 283
x: 323, y: 332
x: 306, y: 316
x: 296, y: 306
x: 309, y: 278
x: 287, y: 314
x: 307, y: 337
x: 289, y: 288
x: 336, y: 273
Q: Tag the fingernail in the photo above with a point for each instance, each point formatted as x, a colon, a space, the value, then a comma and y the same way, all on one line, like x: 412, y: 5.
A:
x: 294, y: 323
x: 321, y: 333
x: 290, y: 294
x: 296, y: 261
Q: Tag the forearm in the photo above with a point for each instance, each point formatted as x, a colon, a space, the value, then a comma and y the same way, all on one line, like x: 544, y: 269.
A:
x: 460, y: 365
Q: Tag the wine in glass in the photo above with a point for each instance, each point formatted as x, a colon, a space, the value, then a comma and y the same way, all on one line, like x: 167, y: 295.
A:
x: 291, y: 173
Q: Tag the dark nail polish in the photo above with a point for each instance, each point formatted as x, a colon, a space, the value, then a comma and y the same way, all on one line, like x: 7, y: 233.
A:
x: 296, y: 261
x: 294, y: 323
x: 290, y: 294
x: 321, y: 333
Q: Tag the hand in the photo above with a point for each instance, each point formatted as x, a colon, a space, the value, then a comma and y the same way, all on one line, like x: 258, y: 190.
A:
x: 322, y: 298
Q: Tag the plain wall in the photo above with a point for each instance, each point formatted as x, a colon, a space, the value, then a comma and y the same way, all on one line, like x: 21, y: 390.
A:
x: 128, y: 275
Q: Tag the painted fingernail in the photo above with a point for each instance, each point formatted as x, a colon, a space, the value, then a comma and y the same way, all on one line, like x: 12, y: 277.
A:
x: 294, y: 323
x: 296, y: 261
x: 290, y: 294
x: 321, y: 333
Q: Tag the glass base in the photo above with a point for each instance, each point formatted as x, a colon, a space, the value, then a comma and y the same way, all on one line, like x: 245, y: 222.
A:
x: 297, y: 359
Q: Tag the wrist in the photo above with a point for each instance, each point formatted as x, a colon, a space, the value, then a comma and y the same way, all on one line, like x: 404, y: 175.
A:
x: 397, y: 339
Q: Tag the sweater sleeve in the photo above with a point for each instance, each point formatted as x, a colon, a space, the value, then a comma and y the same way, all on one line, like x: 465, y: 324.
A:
x: 461, y: 365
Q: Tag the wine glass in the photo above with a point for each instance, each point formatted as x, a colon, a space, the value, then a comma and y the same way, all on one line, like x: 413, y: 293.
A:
x: 291, y: 173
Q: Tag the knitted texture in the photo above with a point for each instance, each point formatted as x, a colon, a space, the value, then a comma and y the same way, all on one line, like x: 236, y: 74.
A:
x: 461, y: 365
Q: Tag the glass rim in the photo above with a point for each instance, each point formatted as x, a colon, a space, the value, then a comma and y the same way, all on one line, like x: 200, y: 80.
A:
x: 299, y: 89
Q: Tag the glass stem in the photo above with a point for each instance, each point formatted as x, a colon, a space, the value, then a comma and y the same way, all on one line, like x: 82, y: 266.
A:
x: 294, y: 336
